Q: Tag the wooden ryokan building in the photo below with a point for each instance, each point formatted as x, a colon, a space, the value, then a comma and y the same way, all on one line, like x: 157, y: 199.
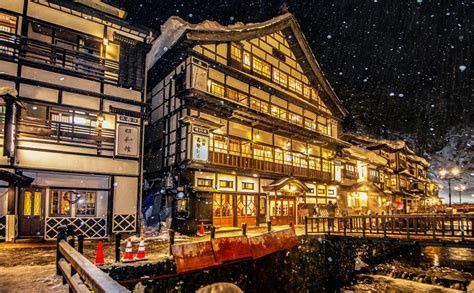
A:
x: 244, y: 125
x: 71, y: 127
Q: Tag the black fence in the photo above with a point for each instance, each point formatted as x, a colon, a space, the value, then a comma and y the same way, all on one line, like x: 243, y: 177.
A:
x: 459, y: 226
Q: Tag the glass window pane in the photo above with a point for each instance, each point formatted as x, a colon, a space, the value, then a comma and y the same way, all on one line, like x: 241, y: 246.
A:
x: 27, y: 203
x: 37, y: 201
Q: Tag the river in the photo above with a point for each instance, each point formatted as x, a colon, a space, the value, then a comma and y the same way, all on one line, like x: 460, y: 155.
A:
x: 430, y: 269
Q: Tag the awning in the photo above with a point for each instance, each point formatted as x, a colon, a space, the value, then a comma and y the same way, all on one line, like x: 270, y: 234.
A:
x: 204, y: 189
x: 280, y: 183
x: 15, y: 179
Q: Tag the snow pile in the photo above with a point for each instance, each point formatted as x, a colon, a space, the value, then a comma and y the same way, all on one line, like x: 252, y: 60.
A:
x: 8, y: 91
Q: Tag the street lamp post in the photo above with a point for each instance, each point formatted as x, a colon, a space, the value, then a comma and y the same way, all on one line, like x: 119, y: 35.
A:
x: 449, y: 175
x: 460, y: 189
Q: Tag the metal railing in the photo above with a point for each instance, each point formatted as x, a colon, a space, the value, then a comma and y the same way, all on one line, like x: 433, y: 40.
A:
x: 77, y: 271
x: 95, y: 67
x: 459, y: 226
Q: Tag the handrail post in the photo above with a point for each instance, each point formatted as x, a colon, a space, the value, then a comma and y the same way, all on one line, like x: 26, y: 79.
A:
x: 171, y: 233
x: 61, y: 236
x: 118, y: 238
x: 70, y: 235
x: 363, y: 226
x: 305, y: 225
x: 462, y: 228
x: 408, y: 227
x: 80, y: 243
x: 433, y: 226
x: 244, y: 229
x: 213, y: 232
x: 269, y: 225
x: 344, y: 222
x: 384, y: 228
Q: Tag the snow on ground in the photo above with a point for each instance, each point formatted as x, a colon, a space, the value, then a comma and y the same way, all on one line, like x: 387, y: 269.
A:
x: 26, y: 278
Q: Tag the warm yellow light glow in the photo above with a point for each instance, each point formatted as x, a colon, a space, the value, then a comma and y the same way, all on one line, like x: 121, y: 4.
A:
x: 105, y: 42
x: 455, y: 171
x: 443, y: 172
x: 100, y: 118
x: 255, y: 175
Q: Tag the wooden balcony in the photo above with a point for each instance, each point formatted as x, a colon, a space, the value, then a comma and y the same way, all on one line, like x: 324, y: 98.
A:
x: 249, y: 163
x: 82, y: 64
x: 71, y: 134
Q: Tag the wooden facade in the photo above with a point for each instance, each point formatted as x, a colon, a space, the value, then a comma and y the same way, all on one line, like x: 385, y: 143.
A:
x: 78, y: 71
x: 232, y: 112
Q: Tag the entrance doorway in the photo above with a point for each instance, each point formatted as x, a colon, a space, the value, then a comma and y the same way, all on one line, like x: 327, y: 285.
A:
x: 231, y: 210
x: 31, y: 212
x: 282, y: 209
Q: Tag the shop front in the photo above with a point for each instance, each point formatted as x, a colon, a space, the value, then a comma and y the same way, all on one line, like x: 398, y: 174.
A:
x: 232, y: 210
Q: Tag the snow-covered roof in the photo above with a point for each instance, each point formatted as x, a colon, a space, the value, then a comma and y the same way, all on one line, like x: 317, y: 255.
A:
x: 372, y: 142
x: 176, y: 29
x: 8, y: 91
x: 364, y: 154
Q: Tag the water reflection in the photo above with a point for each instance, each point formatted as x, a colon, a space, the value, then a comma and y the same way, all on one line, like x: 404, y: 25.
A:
x: 453, y: 257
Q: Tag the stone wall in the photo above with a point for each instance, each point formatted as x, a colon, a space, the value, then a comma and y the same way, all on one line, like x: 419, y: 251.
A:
x: 315, y: 265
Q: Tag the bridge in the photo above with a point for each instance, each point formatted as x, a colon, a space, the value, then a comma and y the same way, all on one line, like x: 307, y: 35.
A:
x: 426, y: 229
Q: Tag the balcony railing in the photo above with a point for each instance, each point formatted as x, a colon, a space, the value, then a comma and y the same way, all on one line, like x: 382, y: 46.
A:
x: 89, y: 65
x: 67, y: 133
x: 351, y: 174
x: 266, y: 166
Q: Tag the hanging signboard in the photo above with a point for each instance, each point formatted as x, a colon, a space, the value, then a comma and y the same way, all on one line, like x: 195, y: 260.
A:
x: 127, y: 140
x: 200, y: 147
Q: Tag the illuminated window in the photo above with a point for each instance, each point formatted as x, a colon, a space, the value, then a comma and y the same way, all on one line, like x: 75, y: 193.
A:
x: 237, y: 96
x: 278, y: 112
x: 259, y: 105
x: 295, y: 85
x: 246, y: 60
x: 215, y: 88
x: 236, y: 52
x: 307, y: 92
x: 204, y: 182
x: 226, y: 184
x: 248, y: 185
x: 261, y: 67
x: 280, y: 77
x: 86, y: 204
x: 60, y: 203
x: 220, y: 144
x: 296, y: 119
x: 350, y: 171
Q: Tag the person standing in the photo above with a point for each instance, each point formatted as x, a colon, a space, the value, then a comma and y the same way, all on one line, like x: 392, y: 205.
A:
x: 331, y: 213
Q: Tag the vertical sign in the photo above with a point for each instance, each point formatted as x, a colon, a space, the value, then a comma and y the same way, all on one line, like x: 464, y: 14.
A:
x: 200, y: 143
x: 127, y: 137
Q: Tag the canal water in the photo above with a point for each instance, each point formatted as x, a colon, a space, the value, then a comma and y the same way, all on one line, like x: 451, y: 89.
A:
x: 433, y: 269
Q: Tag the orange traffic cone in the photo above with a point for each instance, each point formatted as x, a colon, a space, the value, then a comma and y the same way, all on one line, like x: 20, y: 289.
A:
x: 128, y: 256
x: 99, y: 256
x: 141, y: 255
x: 201, y: 230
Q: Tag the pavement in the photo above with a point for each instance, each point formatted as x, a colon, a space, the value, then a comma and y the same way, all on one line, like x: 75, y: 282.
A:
x: 30, y: 267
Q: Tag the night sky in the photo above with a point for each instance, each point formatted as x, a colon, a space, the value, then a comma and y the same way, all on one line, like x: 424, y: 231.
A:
x: 402, y: 68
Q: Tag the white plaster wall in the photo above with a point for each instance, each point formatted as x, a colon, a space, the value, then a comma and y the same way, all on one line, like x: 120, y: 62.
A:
x: 125, y: 195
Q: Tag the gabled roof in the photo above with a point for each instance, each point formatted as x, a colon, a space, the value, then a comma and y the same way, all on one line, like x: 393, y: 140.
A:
x: 365, y: 155
x: 282, y: 182
x: 175, y: 30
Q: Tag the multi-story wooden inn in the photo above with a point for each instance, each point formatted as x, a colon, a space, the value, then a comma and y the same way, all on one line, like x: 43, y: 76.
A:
x: 400, y: 185
x: 244, y: 125
x: 72, y: 118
